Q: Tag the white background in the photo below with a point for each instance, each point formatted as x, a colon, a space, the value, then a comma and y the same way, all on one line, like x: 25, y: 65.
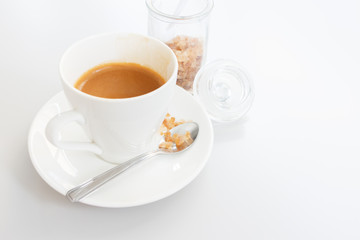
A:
x: 289, y: 170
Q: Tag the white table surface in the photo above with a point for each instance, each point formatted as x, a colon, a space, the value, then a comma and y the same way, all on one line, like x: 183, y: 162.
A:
x: 289, y: 170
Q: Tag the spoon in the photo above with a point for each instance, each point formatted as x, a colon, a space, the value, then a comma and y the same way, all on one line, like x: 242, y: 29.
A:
x: 77, y: 193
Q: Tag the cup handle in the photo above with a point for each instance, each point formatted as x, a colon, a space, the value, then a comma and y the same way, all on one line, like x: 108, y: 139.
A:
x: 57, y: 123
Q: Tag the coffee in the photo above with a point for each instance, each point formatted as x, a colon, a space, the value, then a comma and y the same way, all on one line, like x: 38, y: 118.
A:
x: 119, y: 80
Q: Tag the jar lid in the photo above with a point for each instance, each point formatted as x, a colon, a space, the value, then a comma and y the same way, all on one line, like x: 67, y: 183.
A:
x: 224, y: 89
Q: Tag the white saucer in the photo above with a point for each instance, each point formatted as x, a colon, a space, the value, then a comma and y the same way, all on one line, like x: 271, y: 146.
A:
x: 147, y: 182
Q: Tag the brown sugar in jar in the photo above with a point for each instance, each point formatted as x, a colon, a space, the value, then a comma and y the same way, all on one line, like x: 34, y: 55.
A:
x: 189, y: 53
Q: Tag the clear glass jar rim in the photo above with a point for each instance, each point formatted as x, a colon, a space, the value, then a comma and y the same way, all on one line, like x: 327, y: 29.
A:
x: 203, y: 13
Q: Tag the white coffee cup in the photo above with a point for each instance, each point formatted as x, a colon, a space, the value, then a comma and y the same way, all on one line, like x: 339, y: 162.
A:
x: 119, y: 128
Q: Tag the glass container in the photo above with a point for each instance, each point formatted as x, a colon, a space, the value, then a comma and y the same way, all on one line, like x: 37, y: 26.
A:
x: 223, y: 86
x: 183, y: 26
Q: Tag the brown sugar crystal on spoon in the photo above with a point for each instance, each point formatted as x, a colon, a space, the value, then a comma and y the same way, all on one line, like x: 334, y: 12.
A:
x: 189, y: 53
x: 181, y: 141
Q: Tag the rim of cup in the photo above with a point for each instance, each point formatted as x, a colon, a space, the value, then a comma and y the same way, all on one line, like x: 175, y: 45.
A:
x: 173, y: 76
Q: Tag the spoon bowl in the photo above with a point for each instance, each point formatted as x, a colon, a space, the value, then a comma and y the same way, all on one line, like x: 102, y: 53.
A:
x: 191, y: 127
x: 77, y: 193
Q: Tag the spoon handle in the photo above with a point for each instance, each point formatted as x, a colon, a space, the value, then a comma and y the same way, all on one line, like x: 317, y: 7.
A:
x: 77, y: 193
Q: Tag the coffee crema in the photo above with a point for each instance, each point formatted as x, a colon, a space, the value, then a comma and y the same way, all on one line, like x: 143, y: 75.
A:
x: 119, y: 80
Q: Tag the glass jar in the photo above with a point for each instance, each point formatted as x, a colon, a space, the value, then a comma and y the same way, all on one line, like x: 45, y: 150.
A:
x: 183, y: 26
x: 223, y: 87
